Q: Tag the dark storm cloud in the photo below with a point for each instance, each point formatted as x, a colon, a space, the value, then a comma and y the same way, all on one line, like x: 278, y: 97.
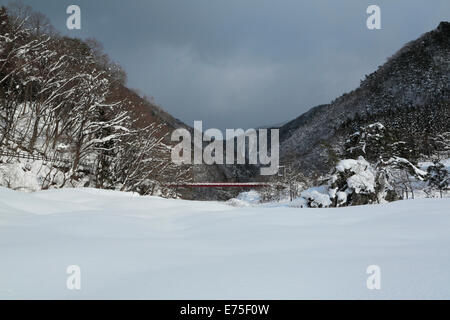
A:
x: 244, y: 63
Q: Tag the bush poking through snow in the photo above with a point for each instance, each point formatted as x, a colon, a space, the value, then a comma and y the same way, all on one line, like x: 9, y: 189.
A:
x: 353, y: 182
x: 246, y: 199
x: 317, y: 197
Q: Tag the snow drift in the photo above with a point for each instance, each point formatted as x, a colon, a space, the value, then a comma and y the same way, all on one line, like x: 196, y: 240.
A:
x: 147, y: 247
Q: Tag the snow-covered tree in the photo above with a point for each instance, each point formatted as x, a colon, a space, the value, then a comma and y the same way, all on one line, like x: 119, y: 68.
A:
x: 375, y: 142
x: 401, y: 174
x: 438, y: 176
x: 142, y: 163
x: 353, y: 182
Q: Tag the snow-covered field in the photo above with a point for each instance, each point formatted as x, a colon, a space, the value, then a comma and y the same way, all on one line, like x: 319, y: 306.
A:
x: 146, y: 247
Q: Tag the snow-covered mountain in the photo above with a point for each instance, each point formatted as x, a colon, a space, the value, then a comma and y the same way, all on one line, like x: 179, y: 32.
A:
x: 416, y: 77
x: 409, y: 96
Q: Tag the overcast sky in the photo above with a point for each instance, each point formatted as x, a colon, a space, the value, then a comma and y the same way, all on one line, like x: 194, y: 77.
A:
x: 245, y: 63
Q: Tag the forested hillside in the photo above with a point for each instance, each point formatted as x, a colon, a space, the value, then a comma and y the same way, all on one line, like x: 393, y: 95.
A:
x: 388, y: 139
x: 410, y: 93
x: 68, y: 119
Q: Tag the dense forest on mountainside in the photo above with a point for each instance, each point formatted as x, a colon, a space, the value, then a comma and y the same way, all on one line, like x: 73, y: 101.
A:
x: 412, y: 87
x: 66, y: 104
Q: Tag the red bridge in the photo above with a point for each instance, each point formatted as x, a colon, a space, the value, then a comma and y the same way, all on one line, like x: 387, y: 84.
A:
x: 226, y: 185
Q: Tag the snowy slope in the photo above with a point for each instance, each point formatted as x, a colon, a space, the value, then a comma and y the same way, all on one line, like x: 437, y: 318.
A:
x: 146, y: 247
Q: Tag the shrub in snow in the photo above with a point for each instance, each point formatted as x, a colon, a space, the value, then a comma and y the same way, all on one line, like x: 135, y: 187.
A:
x: 316, y: 197
x: 438, y: 177
x: 353, y: 182
x: 341, y: 198
x: 250, y: 196
x: 245, y: 199
x: 32, y: 175
x: 298, y: 203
